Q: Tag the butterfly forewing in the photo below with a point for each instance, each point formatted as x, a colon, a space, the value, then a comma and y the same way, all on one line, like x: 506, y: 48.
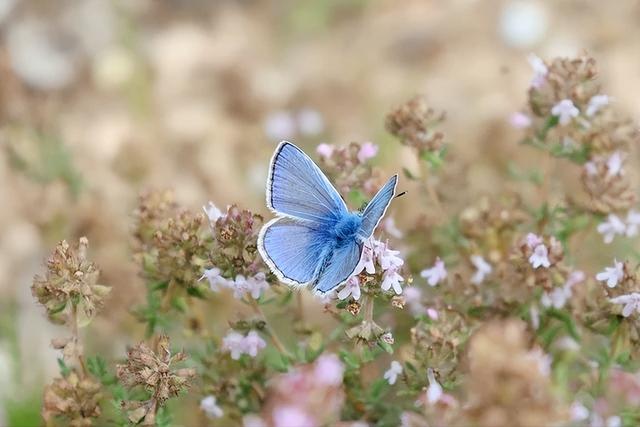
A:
x: 297, y: 188
x: 375, y: 210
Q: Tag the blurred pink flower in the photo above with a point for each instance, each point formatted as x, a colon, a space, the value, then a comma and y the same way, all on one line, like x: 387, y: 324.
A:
x: 310, y: 122
x: 351, y: 288
x: 565, y: 111
x: 483, y: 268
x: 210, y: 407
x: 392, y: 279
x: 596, y: 103
x: 435, y: 274
x: 540, y: 70
x: 391, y: 375
x: 325, y: 150
x: 328, y: 370
x: 614, y: 164
x: 520, y: 120
x: 612, y: 275
x: 290, y: 416
x: 367, y: 151
x: 611, y: 227
x: 540, y: 257
x: 238, y: 344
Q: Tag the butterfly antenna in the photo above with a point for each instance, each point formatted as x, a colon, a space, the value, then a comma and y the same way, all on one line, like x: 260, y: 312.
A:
x: 400, y: 195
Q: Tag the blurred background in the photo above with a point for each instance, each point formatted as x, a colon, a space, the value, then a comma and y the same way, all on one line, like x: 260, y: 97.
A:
x: 102, y: 99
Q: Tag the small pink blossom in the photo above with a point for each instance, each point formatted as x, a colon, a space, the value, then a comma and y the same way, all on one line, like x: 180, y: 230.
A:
x: 532, y: 240
x: 432, y: 313
x: 367, y: 151
x: 633, y: 223
x: 565, y: 111
x: 366, y: 262
x: 310, y: 122
x: 351, y: 288
x: 520, y: 120
x: 280, y: 125
x: 216, y: 281
x: 210, y: 407
x: 435, y: 274
x: 253, y: 343
x: 325, y: 150
x: 387, y: 258
x: 289, y: 416
x: 329, y: 370
x: 212, y: 212
x: 630, y: 301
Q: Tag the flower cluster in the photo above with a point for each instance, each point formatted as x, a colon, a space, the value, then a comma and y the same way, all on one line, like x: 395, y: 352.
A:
x: 71, y: 280
x: 501, y: 350
x: 349, y: 169
x: 153, y: 370
x: 415, y: 124
x: 306, y: 396
x: 74, y: 398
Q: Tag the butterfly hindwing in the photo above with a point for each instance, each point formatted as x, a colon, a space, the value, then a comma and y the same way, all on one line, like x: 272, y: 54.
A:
x: 297, y: 187
x: 292, y: 249
x: 339, y: 266
x: 376, y: 209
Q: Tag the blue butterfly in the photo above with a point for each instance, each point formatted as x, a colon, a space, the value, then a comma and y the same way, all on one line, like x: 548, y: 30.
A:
x: 315, y: 240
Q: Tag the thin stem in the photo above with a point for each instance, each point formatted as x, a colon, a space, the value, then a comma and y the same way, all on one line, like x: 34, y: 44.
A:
x: 272, y: 333
x: 76, y: 338
x: 428, y: 186
x: 368, y: 308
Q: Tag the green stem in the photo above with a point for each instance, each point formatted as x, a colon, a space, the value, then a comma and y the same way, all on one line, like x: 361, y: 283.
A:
x: 272, y: 333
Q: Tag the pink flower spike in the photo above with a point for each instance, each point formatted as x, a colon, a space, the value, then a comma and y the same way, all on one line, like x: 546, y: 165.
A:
x: 519, y: 120
x: 367, y: 151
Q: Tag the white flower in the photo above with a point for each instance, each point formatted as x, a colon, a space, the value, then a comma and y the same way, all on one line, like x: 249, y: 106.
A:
x: 596, y: 103
x: 434, y: 391
x: 483, y: 268
x: 631, y: 303
x: 565, y: 111
x: 257, y: 284
x: 611, y: 227
x: 540, y: 257
x: 612, y: 275
x: 237, y: 344
x: 212, y: 212
x: 435, y: 274
x: 351, y: 288
x: 614, y: 421
x: 393, y: 372
x: 557, y: 297
x: 540, y: 70
x: 614, y: 164
x: 215, y: 279
x: 310, y: 122
x: 519, y: 120
x: 392, y: 279
x: 387, y: 258
x: 366, y: 262
x: 210, y: 407
x: 633, y: 222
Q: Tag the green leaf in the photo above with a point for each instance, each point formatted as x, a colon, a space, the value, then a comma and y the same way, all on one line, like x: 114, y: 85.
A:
x: 410, y: 175
x: 568, y: 322
x: 196, y: 292
x: 64, y: 369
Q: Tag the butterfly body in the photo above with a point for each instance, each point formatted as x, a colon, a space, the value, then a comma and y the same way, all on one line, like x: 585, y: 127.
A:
x: 315, y: 240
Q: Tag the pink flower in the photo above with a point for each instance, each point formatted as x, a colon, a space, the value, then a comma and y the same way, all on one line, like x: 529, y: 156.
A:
x: 367, y: 151
x: 210, y: 407
x: 612, y: 275
x: 434, y: 391
x: 596, y: 103
x: 520, y: 120
x: 432, y: 313
x: 483, y: 268
x: 280, y: 125
x: 614, y: 164
x: 216, y: 281
x: 257, y: 284
x: 435, y: 274
x: 633, y: 221
x: 540, y: 70
x: 532, y: 240
x: 290, y: 416
x: 328, y: 370
x: 212, y: 212
x: 630, y: 301
x: 611, y: 227
x: 310, y: 122
x: 325, y: 150
x: 387, y: 258
x: 253, y: 343
x: 351, y: 288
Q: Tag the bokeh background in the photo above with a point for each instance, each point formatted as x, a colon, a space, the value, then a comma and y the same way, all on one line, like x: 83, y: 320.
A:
x: 101, y: 99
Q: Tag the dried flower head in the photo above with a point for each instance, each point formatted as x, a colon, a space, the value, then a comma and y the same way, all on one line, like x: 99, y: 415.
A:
x: 508, y: 382
x: 71, y: 279
x: 414, y: 123
x: 74, y: 399
x: 154, y: 370
x: 349, y: 169
x: 607, y: 186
